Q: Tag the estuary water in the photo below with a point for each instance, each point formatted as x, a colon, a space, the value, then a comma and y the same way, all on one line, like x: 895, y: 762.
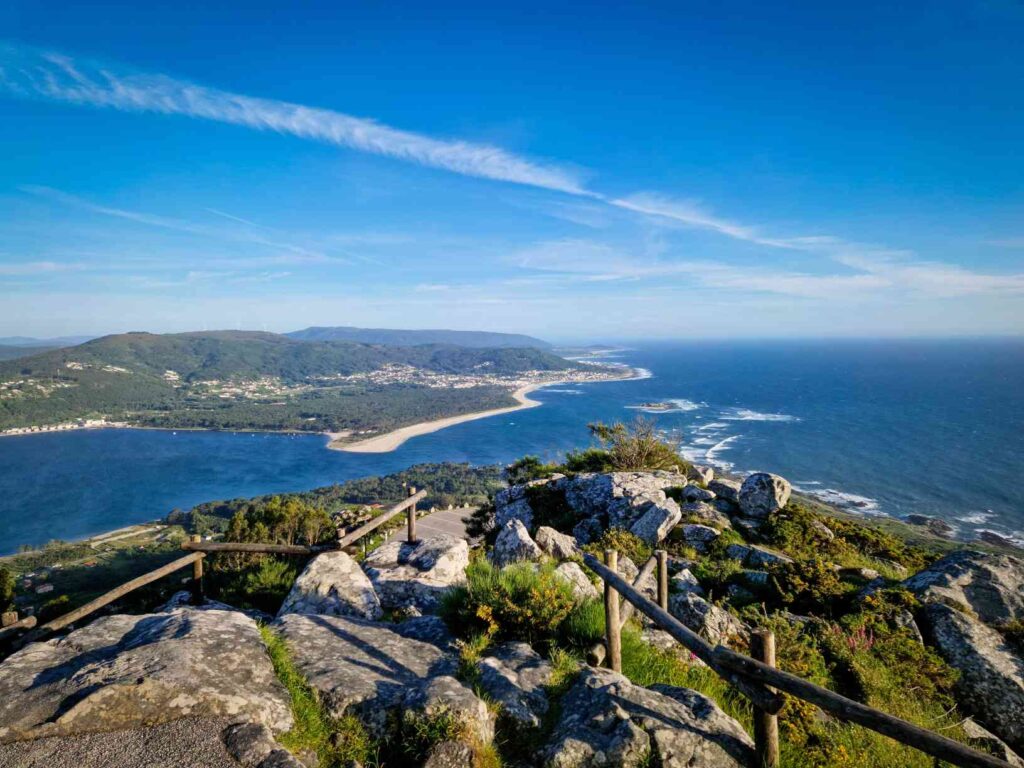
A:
x: 881, y: 427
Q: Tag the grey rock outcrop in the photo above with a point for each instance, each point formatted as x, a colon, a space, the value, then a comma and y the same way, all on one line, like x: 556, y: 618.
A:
x: 991, y: 683
x: 988, y: 742
x: 756, y: 556
x: 684, y: 581
x: 125, y: 671
x: 253, y: 745
x: 992, y: 586
x: 415, y: 575
x: 699, y: 536
x: 696, y: 493
x: 518, y: 510
x: 378, y: 671
x: 714, y: 624
x: 763, y: 494
x: 618, y: 499
x: 333, y: 584
x: 514, y: 545
x: 656, y: 521
x: 728, y: 490
x: 514, y: 676
x: 608, y: 721
x: 708, y: 513
x: 702, y: 474
x: 582, y: 587
x: 560, y: 546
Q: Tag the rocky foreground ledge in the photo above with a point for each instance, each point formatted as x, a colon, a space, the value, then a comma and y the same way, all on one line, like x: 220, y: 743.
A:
x: 195, y: 685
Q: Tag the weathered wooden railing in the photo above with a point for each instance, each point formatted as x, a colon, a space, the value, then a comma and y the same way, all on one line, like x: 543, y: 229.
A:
x: 759, y: 680
x: 198, y: 550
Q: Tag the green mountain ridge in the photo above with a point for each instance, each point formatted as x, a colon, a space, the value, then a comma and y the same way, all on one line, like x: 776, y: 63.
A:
x: 408, y: 338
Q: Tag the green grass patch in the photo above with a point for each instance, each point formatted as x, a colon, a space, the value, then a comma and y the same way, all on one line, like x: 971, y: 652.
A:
x: 337, y: 742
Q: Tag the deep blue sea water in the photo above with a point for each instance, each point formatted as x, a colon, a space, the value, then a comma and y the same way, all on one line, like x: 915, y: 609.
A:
x: 893, y: 427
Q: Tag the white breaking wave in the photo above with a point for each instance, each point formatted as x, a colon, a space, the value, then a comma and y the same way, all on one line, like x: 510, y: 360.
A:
x: 711, y: 425
x: 850, y: 501
x: 745, y: 414
x: 565, y: 391
x: 977, y: 518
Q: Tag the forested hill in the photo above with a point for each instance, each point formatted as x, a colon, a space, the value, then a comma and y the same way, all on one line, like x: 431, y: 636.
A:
x: 245, y: 379
x: 405, y: 338
x: 245, y: 354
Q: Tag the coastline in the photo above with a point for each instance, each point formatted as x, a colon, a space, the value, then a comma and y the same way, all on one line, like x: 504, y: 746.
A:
x: 389, y: 441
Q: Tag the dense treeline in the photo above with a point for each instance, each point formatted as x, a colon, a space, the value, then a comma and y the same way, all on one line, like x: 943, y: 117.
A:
x: 446, y: 483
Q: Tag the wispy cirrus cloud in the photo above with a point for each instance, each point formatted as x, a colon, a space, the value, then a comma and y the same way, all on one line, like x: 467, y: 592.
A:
x: 30, y: 72
x: 868, y: 272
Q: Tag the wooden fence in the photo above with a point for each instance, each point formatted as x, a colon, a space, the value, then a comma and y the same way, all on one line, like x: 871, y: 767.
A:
x: 756, y: 678
x: 759, y: 680
x: 198, y: 550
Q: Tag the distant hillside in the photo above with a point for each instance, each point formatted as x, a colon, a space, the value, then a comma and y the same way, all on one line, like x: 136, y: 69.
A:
x: 403, y: 338
x: 245, y: 379
x: 12, y: 352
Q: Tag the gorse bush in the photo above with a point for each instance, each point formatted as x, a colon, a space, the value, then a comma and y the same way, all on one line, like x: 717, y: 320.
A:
x: 797, y: 530
x: 624, y: 542
x: 518, y: 602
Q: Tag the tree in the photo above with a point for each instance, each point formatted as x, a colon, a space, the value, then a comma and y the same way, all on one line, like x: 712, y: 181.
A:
x: 637, y: 447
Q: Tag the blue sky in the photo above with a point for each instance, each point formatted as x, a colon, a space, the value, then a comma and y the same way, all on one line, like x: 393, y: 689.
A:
x: 573, y: 171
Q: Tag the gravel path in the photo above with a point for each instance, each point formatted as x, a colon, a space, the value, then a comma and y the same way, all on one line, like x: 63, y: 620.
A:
x: 190, y: 743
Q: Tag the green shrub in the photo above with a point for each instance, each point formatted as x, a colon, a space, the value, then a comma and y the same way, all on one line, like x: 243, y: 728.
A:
x: 808, y: 586
x: 528, y: 468
x: 6, y: 589
x: 623, y: 542
x: 422, y: 732
x: 797, y: 531
x: 637, y: 447
x: 588, y: 460
x: 53, y: 609
x: 518, y: 602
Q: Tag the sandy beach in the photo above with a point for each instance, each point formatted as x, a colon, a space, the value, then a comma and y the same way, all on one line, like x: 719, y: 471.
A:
x: 391, y: 440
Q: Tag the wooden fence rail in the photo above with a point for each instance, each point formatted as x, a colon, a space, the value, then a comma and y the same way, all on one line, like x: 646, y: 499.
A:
x: 372, y: 525
x: 197, y: 551
x: 755, y: 679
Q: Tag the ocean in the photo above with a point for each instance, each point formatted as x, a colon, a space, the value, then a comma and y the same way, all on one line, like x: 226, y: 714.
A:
x: 878, y: 427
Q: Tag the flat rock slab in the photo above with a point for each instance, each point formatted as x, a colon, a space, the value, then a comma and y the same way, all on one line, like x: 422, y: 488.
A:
x: 992, y: 586
x: 186, y: 742
x: 514, y: 676
x: 608, y: 721
x: 122, y: 672
x: 991, y: 683
x: 378, y: 671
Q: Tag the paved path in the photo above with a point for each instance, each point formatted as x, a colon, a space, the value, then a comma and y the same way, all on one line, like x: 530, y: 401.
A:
x: 447, y: 521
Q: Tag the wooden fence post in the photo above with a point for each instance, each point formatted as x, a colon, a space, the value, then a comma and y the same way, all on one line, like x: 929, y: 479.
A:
x: 197, y: 574
x: 766, y: 726
x: 411, y: 534
x: 613, y: 626
x: 662, y: 556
